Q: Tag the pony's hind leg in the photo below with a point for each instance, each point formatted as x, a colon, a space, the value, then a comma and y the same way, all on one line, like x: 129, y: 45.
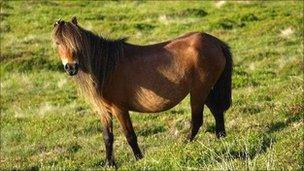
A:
x: 219, y: 122
x: 219, y: 119
x: 197, y: 99
x: 196, y: 120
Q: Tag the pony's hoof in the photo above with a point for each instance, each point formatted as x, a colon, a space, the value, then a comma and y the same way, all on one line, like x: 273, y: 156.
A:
x: 221, y: 134
x: 138, y: 156
x: 189, y: 138
x: 111, y: 164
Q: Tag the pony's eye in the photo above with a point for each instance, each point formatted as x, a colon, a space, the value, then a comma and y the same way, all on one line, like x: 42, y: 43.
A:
x: 57, y: 43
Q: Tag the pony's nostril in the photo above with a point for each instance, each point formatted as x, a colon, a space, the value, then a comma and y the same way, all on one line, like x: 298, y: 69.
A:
x: 71, y: 69
x: 66, y: 67
x: 76, y: 66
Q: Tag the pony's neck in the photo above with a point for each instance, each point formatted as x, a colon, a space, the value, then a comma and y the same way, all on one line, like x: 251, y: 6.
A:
x: 102, y: 58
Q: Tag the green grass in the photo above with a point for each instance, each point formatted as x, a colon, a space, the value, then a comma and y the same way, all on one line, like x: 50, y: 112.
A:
x: 46, y: 125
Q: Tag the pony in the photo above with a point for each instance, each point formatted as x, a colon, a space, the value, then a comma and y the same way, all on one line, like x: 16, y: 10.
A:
x: 118, y: 77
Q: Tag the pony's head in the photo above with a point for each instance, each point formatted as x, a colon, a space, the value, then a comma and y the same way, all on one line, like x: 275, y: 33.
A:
x: 81, y: 49
x: 71, y: 43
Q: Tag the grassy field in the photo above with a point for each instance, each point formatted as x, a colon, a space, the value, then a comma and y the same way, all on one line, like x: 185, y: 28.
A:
x: 46, y: 125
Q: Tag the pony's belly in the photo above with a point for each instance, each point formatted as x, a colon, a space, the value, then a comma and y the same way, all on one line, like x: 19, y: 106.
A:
x: 146, y: 100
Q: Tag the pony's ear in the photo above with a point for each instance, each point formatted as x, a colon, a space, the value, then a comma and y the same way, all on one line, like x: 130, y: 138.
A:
x: 74, y: 20
x: 58, y: 22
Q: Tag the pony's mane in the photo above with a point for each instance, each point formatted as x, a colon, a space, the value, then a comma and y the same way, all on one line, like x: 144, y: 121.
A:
x: 97, y: 56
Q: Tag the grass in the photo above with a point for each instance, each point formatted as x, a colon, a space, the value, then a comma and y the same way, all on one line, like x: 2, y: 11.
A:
x: 46, y: 125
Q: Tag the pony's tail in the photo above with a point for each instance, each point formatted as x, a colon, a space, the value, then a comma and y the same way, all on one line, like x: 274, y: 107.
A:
x: 219, y: 97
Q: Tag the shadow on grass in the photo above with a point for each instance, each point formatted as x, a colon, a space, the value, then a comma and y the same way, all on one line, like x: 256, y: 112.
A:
x: 247, y: 151
x: 148, y: 131
x: 278, y: 126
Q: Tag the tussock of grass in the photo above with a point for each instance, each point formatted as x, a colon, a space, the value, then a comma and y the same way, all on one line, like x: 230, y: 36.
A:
x: 45, y: 125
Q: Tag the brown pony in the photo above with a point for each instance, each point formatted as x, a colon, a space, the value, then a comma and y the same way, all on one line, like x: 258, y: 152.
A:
x: 118, y: 77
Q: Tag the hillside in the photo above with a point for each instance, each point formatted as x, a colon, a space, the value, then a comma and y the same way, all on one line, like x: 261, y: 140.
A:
x: 45, y: 124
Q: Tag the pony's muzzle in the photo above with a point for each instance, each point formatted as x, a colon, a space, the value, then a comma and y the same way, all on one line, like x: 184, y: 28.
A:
x: 71, y: 69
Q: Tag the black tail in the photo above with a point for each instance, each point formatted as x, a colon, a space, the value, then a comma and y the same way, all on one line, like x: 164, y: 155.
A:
x: 219, y: 97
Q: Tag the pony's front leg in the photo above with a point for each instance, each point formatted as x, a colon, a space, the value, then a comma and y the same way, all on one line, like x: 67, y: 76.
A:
x: 124, y: 119
x: 108, y: 136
